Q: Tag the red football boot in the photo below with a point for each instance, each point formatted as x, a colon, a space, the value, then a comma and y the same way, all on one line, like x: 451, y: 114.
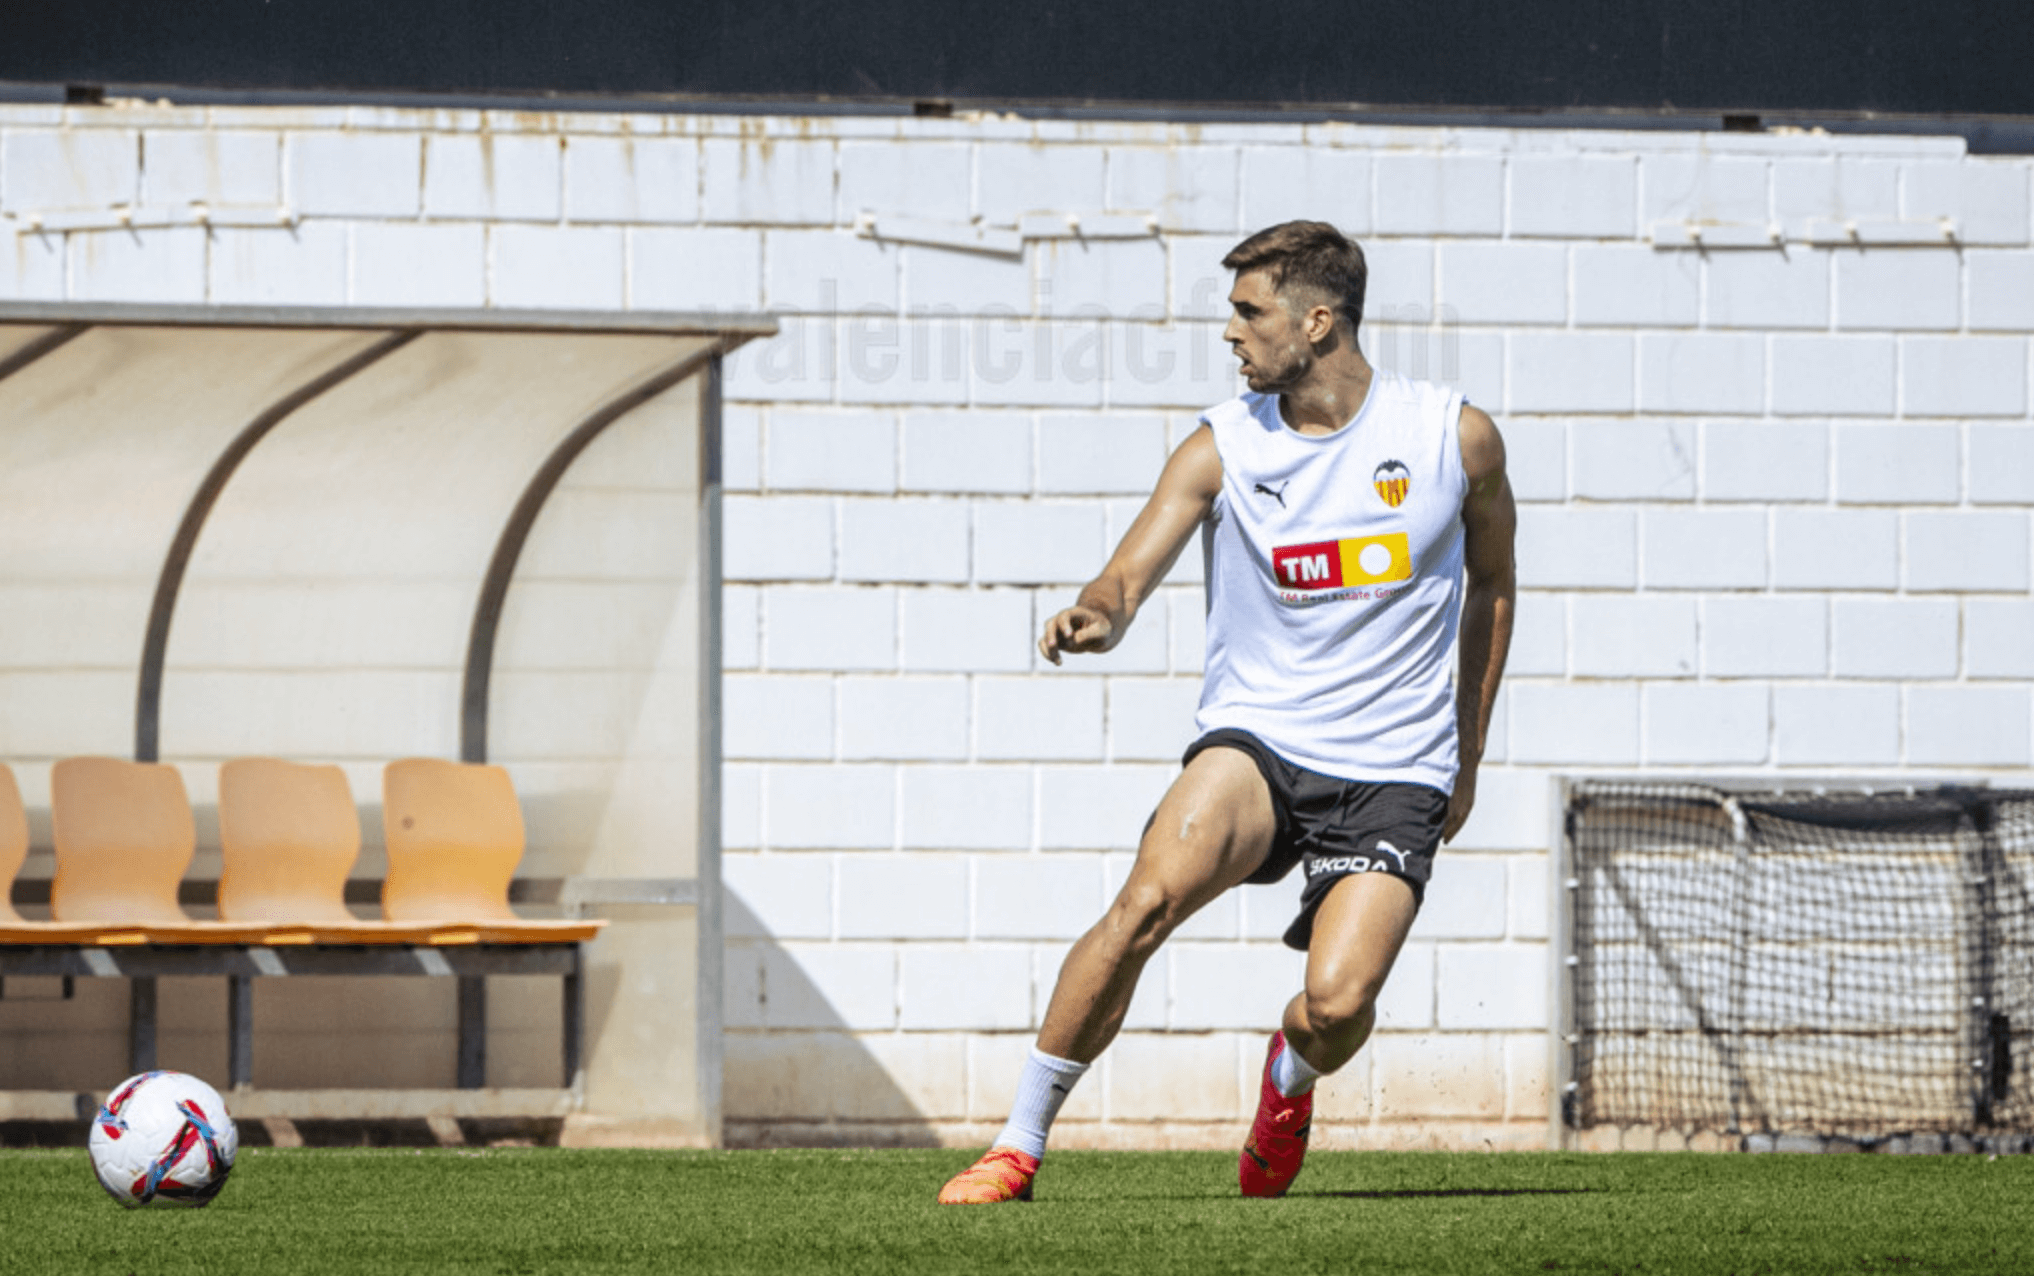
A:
x: 1278, y: 1137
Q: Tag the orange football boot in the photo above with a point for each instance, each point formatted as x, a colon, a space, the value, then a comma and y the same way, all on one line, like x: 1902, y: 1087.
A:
x: 1003, y: 1174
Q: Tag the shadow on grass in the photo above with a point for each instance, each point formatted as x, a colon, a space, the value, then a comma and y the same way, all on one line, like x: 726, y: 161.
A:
x: 1414, y: 1192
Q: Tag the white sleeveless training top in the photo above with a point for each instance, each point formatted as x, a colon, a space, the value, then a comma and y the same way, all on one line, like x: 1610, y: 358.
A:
x: 1334, y: 584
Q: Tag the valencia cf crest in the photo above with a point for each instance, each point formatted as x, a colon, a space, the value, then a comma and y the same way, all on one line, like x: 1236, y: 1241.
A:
x: 1393, y: 481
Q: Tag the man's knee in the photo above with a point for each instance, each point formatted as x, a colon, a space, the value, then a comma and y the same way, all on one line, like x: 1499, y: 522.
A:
x: 1145, y: 913
x: 1341, y: 1006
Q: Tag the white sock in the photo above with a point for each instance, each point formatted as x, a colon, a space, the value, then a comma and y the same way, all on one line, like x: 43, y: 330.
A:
x: 1045, y: 1084
x: 1292, y: 1075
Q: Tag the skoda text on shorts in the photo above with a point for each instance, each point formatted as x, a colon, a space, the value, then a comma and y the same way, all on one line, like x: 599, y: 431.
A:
x: 1357, y: 528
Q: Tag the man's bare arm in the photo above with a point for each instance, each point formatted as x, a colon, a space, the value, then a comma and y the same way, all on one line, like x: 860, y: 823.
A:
x: 1490, y: 595
x: 1107, y: 604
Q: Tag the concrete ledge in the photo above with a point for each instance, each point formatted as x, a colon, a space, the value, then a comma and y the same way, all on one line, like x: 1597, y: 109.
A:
x: 318, y: 1105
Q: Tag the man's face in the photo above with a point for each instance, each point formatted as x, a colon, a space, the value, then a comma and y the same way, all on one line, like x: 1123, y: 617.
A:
x: 1266, y: 335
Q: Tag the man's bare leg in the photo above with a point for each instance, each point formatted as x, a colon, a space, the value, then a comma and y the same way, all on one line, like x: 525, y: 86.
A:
x: 1211, y: 830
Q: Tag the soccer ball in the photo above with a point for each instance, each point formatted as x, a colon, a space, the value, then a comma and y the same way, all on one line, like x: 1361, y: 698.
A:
x: 163, y: 1138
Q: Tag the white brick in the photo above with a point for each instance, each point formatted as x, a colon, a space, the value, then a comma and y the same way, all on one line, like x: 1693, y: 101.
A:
x: 1702, y: 372
x: 741, y: 806
x: 777, y: 538
x: 1488, y: 986
x: 1292, y: 183
x: 1037, y: 896
x: 974, y: 986
x: 741, y: 627
x: 767, y: 181
x: 1183, y: 365
x: 1189, y: 631
x: 1013, y: 180
x: 1998, y: 637
x: 213, y: 166
x: 1471, y: 361
x: 924, y: 179
x: 672, y: 268
x: 1539, y: 637
x: 1835, y: 549
x: 1536, y: 459
x: 1407, y: 1001
x: 558, y: 267
x: 1843, y: 187
x: 395, y: 264
x: 1510, y: 812
x: 1898, y: 464
x: 32, y: 268
x: 1055, y: 364
x: 1401, y: 284
x: 833, y: 807
x: 1167, y: 1077
x: 1574, y: 196
x: 829, y: 272
x: 631, y: 179
x: 741, y: 447
x: 1465, y: 900
x: 1242, y: 986
x: 76, y: 168
x: 886, y: 360
x: 1505, y: 283
x: 904, y: 540
x: 1056, y: 718
x: 909, y: 896
x: 1967, y: 551
x: 2000, y: 290
x: 1268, y: 909
x: 1968, y: 726
x: 493, y: 176
x: 1189, y: 187
x: 994, y: 1065
x: 1627, y: 637
x: 778, y: 896
x: 354, y: 174
x: 774, y: 717
x: 1143, y: 649
x: 1963, y: 376
x: 903, y: 719
x: 1706, y: 723
x: 823, y: 450
x: 1022, y: 543
x: 1620, y: 285
x: 1703, y: 188
x: 1088, y: 278
x: 829, y: 627
x: 1439, y: 194
x: 1759, y: 289
x: 302, y: 266
x: 1898, y: 288
x: 968, y: 808
x: 144, y: 265
x: 1086, y: 453
x: 2001, y: 465
x: 1765, y: 637
x: 1849, y: 375
x: 1577, y: 548
x: 1987, y: 198
x: 941, y: 281
x: 1703, y: 548
x: 1896, y: 637
x: 1764, y: 461
x: 1200, y: 286
x: 1836, y: 726
x: 1098, y: 808
x: 1152, y: 719
x: 967, y: 630
x: 1633, y: 460
x: 830, y: 986
x: 1573, y: 723
x: 1529, y: 903
x: 1569, y: 372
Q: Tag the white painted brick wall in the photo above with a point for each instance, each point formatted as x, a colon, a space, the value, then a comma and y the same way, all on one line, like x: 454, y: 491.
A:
x: 1898, y: 464
x: 1999, y: 637
x: 2001, y: 464
x: 1836, y: 725
x: 1574, y: 196
x: 1688, y: 548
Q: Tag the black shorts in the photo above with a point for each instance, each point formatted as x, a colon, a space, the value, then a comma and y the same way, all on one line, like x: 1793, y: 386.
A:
x: 1338, y: 827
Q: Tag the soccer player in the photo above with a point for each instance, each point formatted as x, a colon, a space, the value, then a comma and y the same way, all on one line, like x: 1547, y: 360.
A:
x: 1357, y: 528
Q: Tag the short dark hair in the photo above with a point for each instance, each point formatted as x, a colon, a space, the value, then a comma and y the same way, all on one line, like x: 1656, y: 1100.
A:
x: 1311, y: 255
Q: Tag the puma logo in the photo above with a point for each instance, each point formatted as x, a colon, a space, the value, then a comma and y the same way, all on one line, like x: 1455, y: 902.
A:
x: 1278, y: 495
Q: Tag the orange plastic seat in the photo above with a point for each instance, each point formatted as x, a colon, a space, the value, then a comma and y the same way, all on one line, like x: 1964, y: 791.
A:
x: 13, y: 841
x: 289, y: 836
x: 455, y: 834
x: 124, y: 837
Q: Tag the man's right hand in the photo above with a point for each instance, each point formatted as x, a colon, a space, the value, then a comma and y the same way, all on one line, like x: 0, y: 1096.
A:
x: 1076, y: 629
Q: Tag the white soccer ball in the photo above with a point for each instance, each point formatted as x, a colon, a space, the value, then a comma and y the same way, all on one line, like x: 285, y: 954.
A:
x: 163, y: 1138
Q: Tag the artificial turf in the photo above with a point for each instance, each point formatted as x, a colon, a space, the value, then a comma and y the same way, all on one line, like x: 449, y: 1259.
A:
x: 506, y: 1212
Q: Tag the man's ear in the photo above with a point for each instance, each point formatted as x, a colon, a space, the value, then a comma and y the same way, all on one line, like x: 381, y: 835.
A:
x: 1320, y: 323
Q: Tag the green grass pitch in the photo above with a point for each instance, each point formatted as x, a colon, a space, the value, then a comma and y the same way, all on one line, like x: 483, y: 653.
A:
x: 506, y: 1212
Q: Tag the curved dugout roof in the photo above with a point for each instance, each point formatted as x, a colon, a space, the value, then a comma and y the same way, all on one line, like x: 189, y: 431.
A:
x: 151, y: 454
